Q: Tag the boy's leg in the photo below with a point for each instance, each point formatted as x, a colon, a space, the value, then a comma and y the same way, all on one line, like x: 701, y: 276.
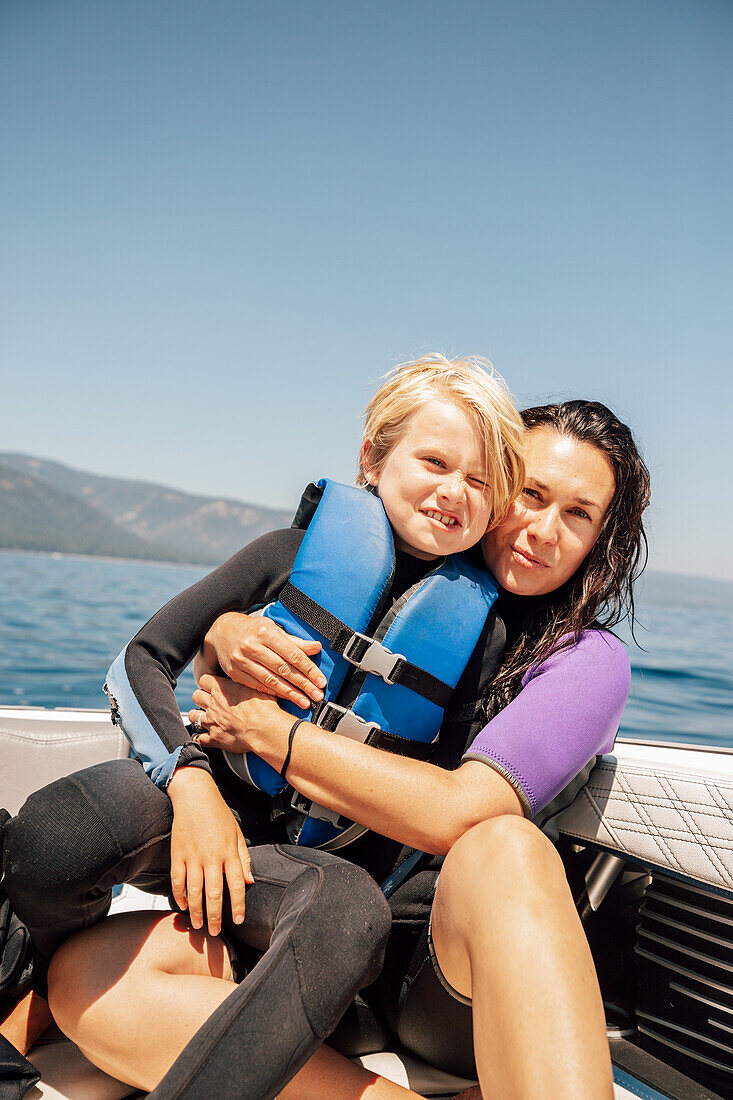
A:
x: 76, y: 839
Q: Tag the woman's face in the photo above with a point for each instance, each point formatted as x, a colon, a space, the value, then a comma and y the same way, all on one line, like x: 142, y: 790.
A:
x: 553, y: 524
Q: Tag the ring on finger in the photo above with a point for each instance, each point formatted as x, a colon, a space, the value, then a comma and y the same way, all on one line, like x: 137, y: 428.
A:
x: 198, y: 722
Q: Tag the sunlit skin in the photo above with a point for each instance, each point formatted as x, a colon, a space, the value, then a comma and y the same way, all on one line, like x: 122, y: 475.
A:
x: 554, y: 523
x: 438, y: 466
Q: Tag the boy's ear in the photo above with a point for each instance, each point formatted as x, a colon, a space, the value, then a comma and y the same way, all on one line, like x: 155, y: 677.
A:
x: 371, y: 477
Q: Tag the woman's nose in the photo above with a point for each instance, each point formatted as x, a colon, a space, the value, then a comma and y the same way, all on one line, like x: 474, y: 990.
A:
x: 545, y: 526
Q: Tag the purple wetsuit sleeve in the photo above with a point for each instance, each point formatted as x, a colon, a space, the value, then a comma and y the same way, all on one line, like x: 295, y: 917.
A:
x: 567, y: 712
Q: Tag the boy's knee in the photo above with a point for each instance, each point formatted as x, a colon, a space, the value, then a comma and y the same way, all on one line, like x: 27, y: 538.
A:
x: 350, y: 915
x: 56, y: 843
x: 357, y: 898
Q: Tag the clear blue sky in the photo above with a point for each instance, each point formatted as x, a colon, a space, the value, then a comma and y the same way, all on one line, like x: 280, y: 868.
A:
x: 222, y: 221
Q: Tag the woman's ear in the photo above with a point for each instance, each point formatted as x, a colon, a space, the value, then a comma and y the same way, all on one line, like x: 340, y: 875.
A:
x: 372, y: 477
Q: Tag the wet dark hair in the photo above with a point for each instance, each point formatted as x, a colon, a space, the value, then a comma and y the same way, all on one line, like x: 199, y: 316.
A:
x: 601, y: 591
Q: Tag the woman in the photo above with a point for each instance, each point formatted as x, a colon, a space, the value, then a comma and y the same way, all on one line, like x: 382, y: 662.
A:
x: 566, y: 554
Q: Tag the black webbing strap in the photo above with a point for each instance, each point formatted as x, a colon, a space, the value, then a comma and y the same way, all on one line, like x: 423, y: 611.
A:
x: 417, y: 679
x: 354, y: 646
x: 322, y: 621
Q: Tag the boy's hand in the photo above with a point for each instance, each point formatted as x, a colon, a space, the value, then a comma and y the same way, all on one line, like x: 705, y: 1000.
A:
x: 255, y: 651
x: 207, y: 847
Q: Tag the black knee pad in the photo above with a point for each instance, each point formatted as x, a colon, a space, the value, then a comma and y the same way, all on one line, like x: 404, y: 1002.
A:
x: 58, y: 838
x: 338, y: 905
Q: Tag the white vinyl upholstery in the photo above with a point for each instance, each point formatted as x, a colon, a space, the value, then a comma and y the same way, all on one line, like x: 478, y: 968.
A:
x: 413, y: 1074
x: 670, y: 807
x: 38, y: 746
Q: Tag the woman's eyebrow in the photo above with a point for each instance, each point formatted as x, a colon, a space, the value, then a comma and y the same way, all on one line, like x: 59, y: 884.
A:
x: 578, y: 500
x: 587, y: 503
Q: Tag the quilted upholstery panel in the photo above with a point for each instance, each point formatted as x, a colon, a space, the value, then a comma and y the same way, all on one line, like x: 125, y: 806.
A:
x: 671, y: 820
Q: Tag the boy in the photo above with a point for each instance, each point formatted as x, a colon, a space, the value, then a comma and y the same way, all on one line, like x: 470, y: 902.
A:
x: 431, y: 435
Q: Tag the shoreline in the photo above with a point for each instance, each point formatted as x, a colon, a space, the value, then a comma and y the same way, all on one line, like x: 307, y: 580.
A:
x: 109, y: 557
x: 651, y: 574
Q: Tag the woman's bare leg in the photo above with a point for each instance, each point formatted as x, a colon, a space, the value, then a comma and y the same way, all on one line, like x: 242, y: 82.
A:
x: 331, y: 1076
x: 506, y: 934
x: 26, y: 1021
x: 132, y: 990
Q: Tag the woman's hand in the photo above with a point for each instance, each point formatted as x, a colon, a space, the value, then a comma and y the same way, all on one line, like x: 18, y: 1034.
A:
x: 207, y: 846
x: 232, y: 716
x: 255, y: 651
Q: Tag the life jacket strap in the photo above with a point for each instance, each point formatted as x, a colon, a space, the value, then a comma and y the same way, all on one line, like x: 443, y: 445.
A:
x: 338, y: 719
x: 363, y: 652
x: 369, y: 655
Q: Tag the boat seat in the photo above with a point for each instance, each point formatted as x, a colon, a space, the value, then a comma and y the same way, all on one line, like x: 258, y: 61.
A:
x: 667, y: 807
x: 38, y: 746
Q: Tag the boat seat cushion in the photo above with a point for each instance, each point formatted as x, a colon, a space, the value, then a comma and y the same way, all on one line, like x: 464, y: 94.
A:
x: 668, y: 807
x: 35, y: 752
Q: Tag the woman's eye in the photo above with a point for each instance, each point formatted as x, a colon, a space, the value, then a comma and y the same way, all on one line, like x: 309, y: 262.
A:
x: 435, y: 462
x: 527, y: 492
x: 581, y: 513
x: 478, y: 483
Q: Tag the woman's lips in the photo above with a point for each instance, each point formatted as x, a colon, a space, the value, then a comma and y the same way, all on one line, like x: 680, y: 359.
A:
x: 527, y: 561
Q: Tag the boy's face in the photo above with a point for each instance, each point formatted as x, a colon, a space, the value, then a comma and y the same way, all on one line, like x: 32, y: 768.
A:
x: 433, y: 483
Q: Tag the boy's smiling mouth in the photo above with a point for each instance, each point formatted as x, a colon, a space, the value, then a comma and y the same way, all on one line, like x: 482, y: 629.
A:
x: 443, y: 518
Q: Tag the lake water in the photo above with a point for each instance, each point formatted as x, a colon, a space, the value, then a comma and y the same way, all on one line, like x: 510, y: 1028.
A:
x: 63, y: 620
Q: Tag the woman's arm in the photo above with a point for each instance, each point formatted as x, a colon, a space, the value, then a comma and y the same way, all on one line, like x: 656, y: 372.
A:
x: 568, y: 711
x: 411, y: 801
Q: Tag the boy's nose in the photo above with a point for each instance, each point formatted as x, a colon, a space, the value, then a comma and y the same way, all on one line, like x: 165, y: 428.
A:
x: 452, y: 489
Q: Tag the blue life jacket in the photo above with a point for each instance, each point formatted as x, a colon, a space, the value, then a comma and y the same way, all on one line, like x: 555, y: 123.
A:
x: 390, y: 670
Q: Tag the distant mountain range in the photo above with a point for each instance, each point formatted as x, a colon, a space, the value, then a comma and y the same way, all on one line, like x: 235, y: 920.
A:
x: 47, y: 506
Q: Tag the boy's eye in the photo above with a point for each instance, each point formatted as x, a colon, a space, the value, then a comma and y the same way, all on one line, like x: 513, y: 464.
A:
x: 435, y: 461
x: 479, y: 482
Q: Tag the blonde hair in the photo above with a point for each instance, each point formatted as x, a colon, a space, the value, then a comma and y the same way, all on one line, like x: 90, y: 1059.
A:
x: 475, y: 387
